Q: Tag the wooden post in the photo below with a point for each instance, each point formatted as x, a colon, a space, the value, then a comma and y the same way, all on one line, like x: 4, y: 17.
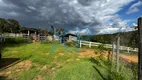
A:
x: 35, y: 36
x: 113, y: 50
x: 3, y: 38
x: 80, y: 44
x: 0, y: 47
x: 0, y: 50
x: 128, y: 49
x: 120, y: 47
x: 140, y: 49
x: 0, y: 38
x: 28, y: 32
x: 89, y: 44
x: 117, y: 54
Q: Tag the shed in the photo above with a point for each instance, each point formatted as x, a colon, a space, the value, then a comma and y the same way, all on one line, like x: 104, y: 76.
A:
x: 68, y: 37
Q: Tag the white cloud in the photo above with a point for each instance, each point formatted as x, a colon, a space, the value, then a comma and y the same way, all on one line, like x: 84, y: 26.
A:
x: 134, y: 24
x: 27, y: 10
x: 31, y: 7
x: 84, y: 31
x: 5, y: 5
x: 112, y: 30
x: 13, y: 13
x: 134, y: 8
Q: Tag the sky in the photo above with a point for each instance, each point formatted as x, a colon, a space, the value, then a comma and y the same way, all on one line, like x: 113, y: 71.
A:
x: 85, y: 16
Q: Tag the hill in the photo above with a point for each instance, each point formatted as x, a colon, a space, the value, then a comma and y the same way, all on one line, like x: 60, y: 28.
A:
x: 126, y: 38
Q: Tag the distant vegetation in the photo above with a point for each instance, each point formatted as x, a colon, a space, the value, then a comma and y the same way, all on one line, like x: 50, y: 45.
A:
x: 127, y: 38
x: 13, y: 26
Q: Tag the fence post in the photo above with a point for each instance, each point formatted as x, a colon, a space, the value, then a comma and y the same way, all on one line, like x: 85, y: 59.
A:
x: 128, y: 49
x: 0, y: 38
x: 113, y: 50
x: 3, y: 38
x: 80, y: 44
x: 89, y: 44
x: 117, y: 53
x: 140, y: 49
x: 0, y: 46
x: 28, y: 32
x: 120, y: 47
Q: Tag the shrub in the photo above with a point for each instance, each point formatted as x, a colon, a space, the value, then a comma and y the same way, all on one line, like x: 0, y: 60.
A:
x: 69, y: 43
x: 46, y: 42
x: 49, y: 42
x: 16, y: 40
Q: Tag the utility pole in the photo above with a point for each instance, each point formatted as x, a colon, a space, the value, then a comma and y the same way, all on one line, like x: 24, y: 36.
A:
x: 140, y: 49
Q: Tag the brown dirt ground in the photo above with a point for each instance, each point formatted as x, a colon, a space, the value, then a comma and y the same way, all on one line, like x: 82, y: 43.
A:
x: 90, y: 53
x: 17, y: 68
x: 130, y: 58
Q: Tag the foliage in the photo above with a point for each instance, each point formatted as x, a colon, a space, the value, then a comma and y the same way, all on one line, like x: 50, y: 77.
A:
x: 133, y: 42
x: 49, y: 42
x: 46, y: 42
x: 16, y: 40
x: 2, y: 24
x: 126, y: 38
x: 9, y: 25
x: 70, y: 43
x: 101, y: 47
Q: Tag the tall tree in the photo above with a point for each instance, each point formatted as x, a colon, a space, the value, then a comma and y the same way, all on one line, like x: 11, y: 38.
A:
x: 2, y: 24
x: 13, y: 25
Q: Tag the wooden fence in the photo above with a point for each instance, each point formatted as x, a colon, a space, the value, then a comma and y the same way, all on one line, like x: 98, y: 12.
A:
x: 25, y: 36
x: 13, y: 35
x: 2, y: 38
x: 90, y: 44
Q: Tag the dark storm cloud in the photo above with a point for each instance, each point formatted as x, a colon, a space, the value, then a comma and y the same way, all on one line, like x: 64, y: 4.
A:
x: 62, y: 13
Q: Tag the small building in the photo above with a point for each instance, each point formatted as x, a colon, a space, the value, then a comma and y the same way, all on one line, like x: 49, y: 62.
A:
x: 29, y: 32
x: 68, y: 38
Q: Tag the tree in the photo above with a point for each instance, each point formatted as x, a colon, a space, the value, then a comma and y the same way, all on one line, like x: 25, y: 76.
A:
x: 60, y: 31
x: 2, y: 24
x: 9, y: 25
x: 43, y: 31
x: 13, y: 25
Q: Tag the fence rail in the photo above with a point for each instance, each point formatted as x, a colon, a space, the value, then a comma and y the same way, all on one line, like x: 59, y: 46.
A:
x: 90, y: 44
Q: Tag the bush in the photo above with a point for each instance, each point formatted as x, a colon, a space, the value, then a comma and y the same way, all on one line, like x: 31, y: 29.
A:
x: 46, y: 42
x: 16, y: 40
x: 49, y: 42
x: 72, y: 44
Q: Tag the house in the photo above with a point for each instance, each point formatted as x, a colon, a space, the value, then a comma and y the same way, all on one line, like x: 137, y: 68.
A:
x: 68, y: 38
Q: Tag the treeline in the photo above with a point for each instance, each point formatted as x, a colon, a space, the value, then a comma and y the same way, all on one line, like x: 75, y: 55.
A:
x: 9, y: 25
x: 13, y: 26
x: 126, y: 38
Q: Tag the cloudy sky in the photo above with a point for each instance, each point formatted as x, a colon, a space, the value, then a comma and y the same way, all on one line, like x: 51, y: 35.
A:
x: 95, y: 16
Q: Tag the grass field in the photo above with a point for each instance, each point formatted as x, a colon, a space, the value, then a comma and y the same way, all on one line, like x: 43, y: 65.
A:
x: 38, y: 61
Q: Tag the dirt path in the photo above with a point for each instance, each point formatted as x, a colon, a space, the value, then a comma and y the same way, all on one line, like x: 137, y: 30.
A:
x: 90, y: 53
x: 130, y: 58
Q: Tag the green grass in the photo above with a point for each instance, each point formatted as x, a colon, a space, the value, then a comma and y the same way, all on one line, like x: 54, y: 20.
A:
x: 28, y: 75
x: 58, y: 62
